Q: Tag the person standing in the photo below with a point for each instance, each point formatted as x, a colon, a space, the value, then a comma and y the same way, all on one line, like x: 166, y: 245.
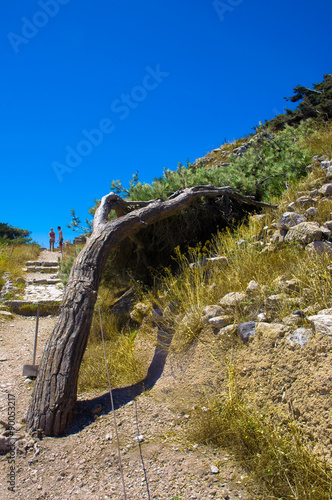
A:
x: 52, y: 239
x: 60, y: 237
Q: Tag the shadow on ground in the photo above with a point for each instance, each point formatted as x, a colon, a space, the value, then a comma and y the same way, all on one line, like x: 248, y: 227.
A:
x: 85, y: 411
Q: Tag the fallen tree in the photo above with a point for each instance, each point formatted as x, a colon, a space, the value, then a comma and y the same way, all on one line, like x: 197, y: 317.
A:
x: 55, y: 391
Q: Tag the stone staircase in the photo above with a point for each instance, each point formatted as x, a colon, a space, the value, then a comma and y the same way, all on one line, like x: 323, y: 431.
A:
x: 42, y: 286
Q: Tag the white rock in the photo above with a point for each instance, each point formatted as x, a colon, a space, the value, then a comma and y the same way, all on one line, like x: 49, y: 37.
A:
x: 321, y: 323
x: 301, y: 336
x: 252, y: 288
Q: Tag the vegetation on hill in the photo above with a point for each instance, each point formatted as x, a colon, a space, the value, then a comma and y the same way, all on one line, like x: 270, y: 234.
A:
x: 10, y: 234
x: 315, y: 103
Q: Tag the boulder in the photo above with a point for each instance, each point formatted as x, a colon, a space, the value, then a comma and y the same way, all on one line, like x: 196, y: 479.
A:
x: 326, y: 190
x: 290, y: 219
x: 328, y: 224
x: 246, y: 331
x: 232, y: 300
x: 271, y: 330
x: 274, y: 302
x: 311, y: 211
x: 211, y: 312
x: 321, y: 324
x: 301, y: 336
x: 326, y: 233
x: 304, y: 233
x: 319, y: 247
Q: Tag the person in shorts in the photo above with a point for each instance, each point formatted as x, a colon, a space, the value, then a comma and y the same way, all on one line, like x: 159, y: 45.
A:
x: 60, y: 237
x: 52, y: 239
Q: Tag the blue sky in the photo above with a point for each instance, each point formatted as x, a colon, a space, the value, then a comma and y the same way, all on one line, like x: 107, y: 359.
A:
x: 92, y: 91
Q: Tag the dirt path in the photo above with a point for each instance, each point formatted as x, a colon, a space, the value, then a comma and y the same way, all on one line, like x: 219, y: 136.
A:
x: 84, y: 464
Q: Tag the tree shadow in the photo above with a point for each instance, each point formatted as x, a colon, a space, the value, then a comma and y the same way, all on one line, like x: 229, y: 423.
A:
x: 86, y: 410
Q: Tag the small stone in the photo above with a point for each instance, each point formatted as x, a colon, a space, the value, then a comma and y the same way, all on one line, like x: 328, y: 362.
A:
x: 6, y: 314
x: 232, y: 300
x: 219, y: 260
x: 261, y: 317
x: 252, y: 288
x: 301, y: 336
x: 211, y: 312
x: 312, y: 211
x: 319, y: 247
x: 221, y: 321
x: 214, y: 469
x: 246, y: 331
x: 139, y: 438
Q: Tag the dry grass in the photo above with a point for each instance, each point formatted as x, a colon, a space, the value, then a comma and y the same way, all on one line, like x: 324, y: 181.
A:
x: 320, y: 142
x: 123, y: 365
x: 275, y: 457
x: 13, y: 259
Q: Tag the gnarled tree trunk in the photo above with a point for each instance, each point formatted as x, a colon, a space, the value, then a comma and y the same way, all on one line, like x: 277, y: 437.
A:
x: 55, y: 391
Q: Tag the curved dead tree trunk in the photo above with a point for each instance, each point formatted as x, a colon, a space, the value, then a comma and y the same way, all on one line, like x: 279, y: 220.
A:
x: 55, y: 391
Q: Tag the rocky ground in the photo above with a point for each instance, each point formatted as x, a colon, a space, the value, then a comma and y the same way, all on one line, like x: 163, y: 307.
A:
x: 84, y: 464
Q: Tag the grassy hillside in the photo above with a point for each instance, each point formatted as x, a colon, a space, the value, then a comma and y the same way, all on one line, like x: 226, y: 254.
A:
x: 259, y: 405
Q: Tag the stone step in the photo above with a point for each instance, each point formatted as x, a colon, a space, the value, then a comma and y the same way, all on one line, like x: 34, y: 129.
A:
x: 41, y: 269
x: 44, y: 281
x: 29, y: 308
x: 41, y: 263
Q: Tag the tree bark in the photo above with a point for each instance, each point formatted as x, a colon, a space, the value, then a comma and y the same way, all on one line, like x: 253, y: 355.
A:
x: 55, y: 391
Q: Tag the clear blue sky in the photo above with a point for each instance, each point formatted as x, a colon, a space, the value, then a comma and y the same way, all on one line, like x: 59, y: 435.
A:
x: 156, y: 81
